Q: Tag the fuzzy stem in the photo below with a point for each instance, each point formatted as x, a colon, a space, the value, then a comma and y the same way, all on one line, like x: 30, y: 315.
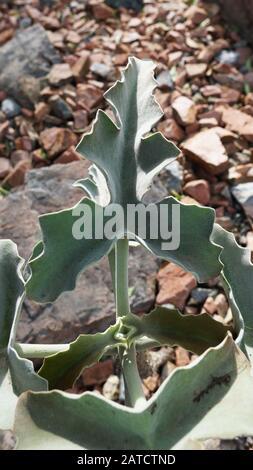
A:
x: 133, y: 385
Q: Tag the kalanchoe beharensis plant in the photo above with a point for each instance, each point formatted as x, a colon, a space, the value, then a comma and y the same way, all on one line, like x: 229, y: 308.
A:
x: 212, y: 397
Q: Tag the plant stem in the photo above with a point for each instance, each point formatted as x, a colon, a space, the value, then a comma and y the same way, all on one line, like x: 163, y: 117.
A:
x: 133, y: 385
x: 39, y: 350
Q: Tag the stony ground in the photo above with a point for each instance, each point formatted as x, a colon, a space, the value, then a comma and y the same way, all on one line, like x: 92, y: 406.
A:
x: 56, y: 60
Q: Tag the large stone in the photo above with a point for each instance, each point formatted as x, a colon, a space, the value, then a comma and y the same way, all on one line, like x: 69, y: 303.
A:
x: 57, y: 139
x: 24, y: 60
x: 237, y: 121
x: 175, y: 285
x: 90, y: 307
x: 206, y: 149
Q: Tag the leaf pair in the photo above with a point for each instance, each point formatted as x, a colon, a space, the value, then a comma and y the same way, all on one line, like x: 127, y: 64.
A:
x: 211, y: 398
x: 16, y: 374
x: 125, y: 159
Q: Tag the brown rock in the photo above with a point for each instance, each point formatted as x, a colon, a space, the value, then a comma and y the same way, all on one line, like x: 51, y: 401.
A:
x: 97, y: 374
x: 171, y: 130
x: 152, y: 383
x: 196, y: 14
x: 206, y: 149
x: 238, y: 122
x: 88, y: 96
x: 199, y: 190
x: 210, y: 90
x: 102, y: 11
x: 81, y: 66
x: 182, y: 357
x: 17, y: 176
x: 6, y: 35
x: 229, y: 76
x: 57, y: 139
x: 208, y: 53
x: 60, y: 74
x: 70, y: 155
x: 5, y: 167
x: 229, y: 95
x: 175, y: 285
x: 184, y: 110
x: 80, y: 119
x: 19, y: 156
x: 196, y: 70
x: 41, y: 110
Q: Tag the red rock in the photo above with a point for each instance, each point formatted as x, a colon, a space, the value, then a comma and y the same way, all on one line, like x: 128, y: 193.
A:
x: 199, y: 190
x: 196, y: 14
x: 182, y: 357
x: 171, y: 130
x: 56, y: 139
x: 5, y: 167
x: 175, y: 285
x: 229, y: 76
x: 73, y: 37
x: 229, y: 95
x: 210, y: 90
x: 98, y: 373
x: 81, y: 66
x: 19, y: 156
x: 102, y: 11
x: 208, y: 53
x: 184, y: 110
x: 17, y: 176
x: 6, y: 35
x: 152, y: 382
x: 88, y: 96
x: 24, y: 143
x: 196, y: 70
x: 41, y: 110
x: 60, y: 74
x: 80, y: 119
x: 238, y: 122
x: 206, y: 149
x: 70, y: 155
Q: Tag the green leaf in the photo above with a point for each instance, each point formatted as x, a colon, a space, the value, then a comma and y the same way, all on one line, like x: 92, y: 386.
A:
x: 195, y: 252
x: 125, y: 149
x: 55, y: 268
x: 168, y: 327
x: 16, y: 374
x: 211, y: 398
x: 62, y: 369
x: 238, y: 281
x: 125, y: 159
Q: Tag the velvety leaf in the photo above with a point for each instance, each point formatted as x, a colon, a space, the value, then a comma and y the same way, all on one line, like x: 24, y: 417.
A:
x: 62, y: 369
x: 194, y: 251
x: 211, y: 398
x: 125, y: 149
x: 16, y: 374
x: 168, y: 327
x: 238, y: 276
x: 56, y: 267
